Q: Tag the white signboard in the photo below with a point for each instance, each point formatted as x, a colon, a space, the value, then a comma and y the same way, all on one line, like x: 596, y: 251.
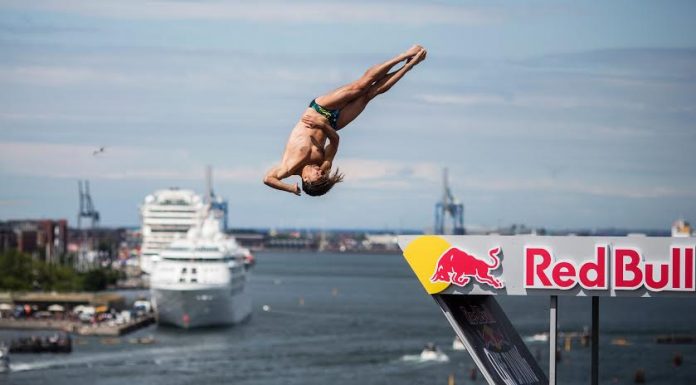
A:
x: 549, y: 265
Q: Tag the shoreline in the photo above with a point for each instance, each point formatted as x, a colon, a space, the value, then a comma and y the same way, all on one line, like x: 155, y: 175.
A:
x: 77, y: 328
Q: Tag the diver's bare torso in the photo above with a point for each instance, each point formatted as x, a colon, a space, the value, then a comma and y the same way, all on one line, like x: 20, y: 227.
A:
x: 305, y: 143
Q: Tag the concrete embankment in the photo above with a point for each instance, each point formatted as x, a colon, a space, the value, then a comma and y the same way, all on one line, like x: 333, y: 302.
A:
x: 77, y: 327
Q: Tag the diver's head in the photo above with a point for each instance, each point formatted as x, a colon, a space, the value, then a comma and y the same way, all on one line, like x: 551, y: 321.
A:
x: 316, y: 182
x: 311, y: 173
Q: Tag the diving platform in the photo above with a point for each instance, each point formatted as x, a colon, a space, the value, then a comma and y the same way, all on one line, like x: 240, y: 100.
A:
x: 464, y: 274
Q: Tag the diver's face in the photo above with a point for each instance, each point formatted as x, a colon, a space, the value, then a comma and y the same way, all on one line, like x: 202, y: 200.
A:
x: 312, y: 173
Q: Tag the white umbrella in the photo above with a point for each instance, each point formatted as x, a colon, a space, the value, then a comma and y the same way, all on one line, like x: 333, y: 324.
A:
x: 56, y: 307
x: 5, y: 306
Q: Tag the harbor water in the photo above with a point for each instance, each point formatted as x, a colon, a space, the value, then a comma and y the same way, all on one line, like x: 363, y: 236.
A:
x: 325, y: 318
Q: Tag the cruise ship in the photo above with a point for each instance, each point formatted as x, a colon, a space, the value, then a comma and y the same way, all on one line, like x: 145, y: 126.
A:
x: 200, y: 280
x: 166, y: 215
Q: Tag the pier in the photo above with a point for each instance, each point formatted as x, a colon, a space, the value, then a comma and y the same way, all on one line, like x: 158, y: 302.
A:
x: 76, y: 327
x: 54, y: 311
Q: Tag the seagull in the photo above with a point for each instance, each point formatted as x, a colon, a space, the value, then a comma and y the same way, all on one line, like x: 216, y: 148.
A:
x: 99, y: 151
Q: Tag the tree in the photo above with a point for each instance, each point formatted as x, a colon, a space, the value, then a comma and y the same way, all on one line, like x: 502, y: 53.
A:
x: 16, y: 271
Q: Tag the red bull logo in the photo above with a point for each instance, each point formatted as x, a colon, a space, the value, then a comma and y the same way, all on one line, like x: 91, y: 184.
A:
x: 458, y: 267
x: 629, y: 270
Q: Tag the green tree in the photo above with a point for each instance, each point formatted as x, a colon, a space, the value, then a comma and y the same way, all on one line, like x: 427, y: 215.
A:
x: 95, y: 280
x: 16, y: 271
x: 20, y: 272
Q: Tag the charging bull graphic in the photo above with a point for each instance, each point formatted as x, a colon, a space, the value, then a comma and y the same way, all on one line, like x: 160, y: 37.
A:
x: 458, y: 267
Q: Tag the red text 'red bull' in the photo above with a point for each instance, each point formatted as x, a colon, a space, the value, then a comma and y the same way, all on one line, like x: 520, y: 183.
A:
x: 458, y: 267
x: 629, y: 270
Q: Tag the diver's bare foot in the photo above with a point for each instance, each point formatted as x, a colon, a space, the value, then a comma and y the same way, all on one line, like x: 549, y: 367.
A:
x: 413, y: 50
x: 420, y: 56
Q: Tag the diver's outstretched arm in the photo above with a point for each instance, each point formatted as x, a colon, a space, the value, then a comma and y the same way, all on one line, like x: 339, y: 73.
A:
x: 274, y: 178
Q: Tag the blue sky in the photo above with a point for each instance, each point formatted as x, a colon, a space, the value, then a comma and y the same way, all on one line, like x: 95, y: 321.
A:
x: 555, y: 114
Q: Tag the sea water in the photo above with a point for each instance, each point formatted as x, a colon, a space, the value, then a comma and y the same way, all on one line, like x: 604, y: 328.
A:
x: 329, y: 318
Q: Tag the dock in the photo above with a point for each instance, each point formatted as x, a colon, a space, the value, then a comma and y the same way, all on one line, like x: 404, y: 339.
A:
x: 78, y: 328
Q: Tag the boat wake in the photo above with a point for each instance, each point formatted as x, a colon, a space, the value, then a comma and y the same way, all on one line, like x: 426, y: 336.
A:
x: 144, y: 356
x: 431, y: 353
x: 417, y: 358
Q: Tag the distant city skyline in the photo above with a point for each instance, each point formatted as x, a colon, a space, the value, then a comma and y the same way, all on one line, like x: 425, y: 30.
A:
x: 548, y: 114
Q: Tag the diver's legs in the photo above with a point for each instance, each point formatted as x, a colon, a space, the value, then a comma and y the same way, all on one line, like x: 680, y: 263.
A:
x: 340, y: 97
x: 388, y: 81
x: 357, y: 105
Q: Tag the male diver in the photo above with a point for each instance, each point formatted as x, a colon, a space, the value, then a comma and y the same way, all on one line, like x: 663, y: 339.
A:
x: 307, y: 153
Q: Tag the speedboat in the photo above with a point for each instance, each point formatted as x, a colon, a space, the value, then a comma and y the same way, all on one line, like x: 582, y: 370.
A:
x: 432, y: 353
x: 538, y: 337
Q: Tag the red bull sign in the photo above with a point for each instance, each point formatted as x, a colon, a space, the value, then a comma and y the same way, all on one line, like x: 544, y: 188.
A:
x: 458, y: 267
x: 464, y: 273
x: 630, y: 270
x: 569, y: 265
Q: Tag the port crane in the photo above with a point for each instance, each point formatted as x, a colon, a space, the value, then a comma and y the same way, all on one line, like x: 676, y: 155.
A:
x: 87, y: 209
x: 449, y: 206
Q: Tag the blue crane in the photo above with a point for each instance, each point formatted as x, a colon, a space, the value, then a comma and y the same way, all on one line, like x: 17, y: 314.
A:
x: 449, y: 206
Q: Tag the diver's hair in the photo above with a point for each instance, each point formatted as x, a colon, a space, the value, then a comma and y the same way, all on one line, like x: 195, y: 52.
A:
x: 322, y: 185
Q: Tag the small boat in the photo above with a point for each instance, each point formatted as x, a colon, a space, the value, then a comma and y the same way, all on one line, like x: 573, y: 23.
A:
x: 51, y: 344
x: 432, y: 353
x: 4, y: 359
x: 620, y: 342
x: 538, y: 337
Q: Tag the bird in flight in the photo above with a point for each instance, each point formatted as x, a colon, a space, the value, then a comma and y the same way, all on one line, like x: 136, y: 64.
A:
x: 99, y: 151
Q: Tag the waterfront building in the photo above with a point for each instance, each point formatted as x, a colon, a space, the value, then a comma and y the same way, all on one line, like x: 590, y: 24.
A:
x: 44, y: 239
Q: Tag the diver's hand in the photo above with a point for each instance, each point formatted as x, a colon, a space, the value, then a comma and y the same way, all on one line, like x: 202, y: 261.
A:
x: 313, y: 121
x: 326, y: 166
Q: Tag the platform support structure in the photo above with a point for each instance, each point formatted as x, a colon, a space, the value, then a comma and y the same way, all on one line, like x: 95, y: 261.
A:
x: 595, y: 341
x: 553, y: 334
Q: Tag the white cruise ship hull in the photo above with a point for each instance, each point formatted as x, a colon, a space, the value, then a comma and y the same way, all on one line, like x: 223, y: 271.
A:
x: 201, y: 306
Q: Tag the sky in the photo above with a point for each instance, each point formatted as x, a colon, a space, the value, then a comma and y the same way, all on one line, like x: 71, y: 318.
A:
x: 555, y: 114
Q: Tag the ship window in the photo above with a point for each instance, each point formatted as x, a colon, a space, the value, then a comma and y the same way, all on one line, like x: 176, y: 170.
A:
x: 197, y: 260
x: 207, y: 249
x: 194, y: 280
x: 182, y: 279
x: 183, y: 270
x: 193, y: 271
